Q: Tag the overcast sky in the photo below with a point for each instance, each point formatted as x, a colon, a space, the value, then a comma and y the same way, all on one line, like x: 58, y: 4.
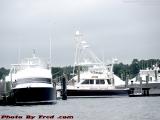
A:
x: 125, y: 29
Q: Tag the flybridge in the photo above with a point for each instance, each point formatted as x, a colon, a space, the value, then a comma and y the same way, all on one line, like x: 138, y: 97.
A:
x: 30, y: 62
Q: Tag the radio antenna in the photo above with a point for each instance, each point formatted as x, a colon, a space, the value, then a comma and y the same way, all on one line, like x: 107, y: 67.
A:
x: 50, y: 50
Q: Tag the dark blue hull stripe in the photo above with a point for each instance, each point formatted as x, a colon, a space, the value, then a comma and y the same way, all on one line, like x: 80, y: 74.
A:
x: 96, y: 92
x: 34, y: 95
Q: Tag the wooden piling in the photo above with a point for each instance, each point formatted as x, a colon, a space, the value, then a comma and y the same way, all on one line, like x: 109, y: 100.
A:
x: 64, y: 89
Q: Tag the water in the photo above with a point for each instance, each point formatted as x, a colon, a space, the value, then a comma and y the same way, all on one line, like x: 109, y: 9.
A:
x: 119, y: 108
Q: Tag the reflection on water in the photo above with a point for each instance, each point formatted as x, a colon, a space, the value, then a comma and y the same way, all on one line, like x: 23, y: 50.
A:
x: 119, y: 108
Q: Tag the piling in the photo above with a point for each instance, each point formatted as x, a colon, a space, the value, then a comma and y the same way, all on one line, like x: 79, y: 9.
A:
x: 147, y: 79
x: 64, y: 89
x: 126, y: 82
x: 156, y: 76
x: 78, y: 73
x: 140, y: 80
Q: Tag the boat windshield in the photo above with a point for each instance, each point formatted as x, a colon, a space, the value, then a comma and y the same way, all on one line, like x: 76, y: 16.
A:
x: 34, y: 62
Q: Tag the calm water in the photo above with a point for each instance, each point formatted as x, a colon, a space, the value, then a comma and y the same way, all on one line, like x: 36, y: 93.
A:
x: 122, y: 108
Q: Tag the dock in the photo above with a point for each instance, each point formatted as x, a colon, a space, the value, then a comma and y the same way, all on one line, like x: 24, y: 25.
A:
x: 138, y: 91
x: 144, y: 90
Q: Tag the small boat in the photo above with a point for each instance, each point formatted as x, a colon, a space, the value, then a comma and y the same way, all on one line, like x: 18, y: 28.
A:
x: 93, y: 77
x: 148, y: 75
x: 32, y: 82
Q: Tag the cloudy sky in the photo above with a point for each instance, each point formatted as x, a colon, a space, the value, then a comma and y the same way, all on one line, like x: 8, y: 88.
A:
x: 125, y: 29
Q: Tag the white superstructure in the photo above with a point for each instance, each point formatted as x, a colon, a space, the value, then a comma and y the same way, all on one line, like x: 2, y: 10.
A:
x: 152, y: 75
x: 32, y: 67
x: 92, y: 73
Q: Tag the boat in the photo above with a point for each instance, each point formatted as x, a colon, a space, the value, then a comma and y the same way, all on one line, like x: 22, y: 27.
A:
x: 91, y: 76
x: 31, y: 82
x: 150, y: 75
x: 147, y: 82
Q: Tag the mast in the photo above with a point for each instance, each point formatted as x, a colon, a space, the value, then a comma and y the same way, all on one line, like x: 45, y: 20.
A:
x: 50, y: 51
x: 77, y: 52
x: 34, y: 53
x: 19, y: 55
x: 78, y: 39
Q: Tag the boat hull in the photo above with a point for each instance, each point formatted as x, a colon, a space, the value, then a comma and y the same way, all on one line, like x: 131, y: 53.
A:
x: 118, y: 92
x: 38, y: 95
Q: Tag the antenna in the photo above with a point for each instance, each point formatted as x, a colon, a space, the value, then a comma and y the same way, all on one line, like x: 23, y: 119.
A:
x: 50, y: 50
x: 34, y: 53
x: 19, y: 54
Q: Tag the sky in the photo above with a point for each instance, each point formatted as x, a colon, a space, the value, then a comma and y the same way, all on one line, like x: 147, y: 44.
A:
x: 125, y: 29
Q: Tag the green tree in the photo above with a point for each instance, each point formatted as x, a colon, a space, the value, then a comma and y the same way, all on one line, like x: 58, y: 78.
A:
x: 3, y: 72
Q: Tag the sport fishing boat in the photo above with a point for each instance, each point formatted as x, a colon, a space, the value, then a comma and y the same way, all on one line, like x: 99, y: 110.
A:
x: 92, y: 76
x: 32, y: 82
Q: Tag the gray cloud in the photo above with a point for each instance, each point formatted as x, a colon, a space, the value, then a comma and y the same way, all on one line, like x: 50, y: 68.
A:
x: 113, y: 28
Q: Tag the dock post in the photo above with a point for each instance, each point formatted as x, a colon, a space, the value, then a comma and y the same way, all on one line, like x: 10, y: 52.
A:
x: 147, y: 79
x: 155, y: 75
x: 4, y: 87
x: 147, y: 92
x: 144, y: 92
x: 126, y: 82
x: 4, y: 91
x: 78, y: 73
x: 64, y: 89
x: 140, y: 80
x: 132, y: 83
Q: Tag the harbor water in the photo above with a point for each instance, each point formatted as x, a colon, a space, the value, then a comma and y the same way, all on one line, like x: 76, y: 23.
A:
x: 117, y: 108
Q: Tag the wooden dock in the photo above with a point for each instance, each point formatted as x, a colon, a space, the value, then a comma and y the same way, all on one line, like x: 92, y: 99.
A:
x: 138, y: 91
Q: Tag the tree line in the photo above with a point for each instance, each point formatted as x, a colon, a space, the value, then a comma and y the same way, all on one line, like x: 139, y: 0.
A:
x: 3, y: 72
x: 131, y: 70
x: 121, y: 70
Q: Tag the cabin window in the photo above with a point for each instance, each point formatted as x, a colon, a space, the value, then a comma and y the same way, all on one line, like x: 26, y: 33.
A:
x: 88, y: 82
x: 100, y: 82
x: 91, y: 81
x: 97, y: 81
x: 109, y: 81
x: 85, y: 82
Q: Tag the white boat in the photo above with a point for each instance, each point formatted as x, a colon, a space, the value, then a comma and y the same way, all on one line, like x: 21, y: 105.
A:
x: 150, y: 75
x: 32, y: 82
x: 93, y: 77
